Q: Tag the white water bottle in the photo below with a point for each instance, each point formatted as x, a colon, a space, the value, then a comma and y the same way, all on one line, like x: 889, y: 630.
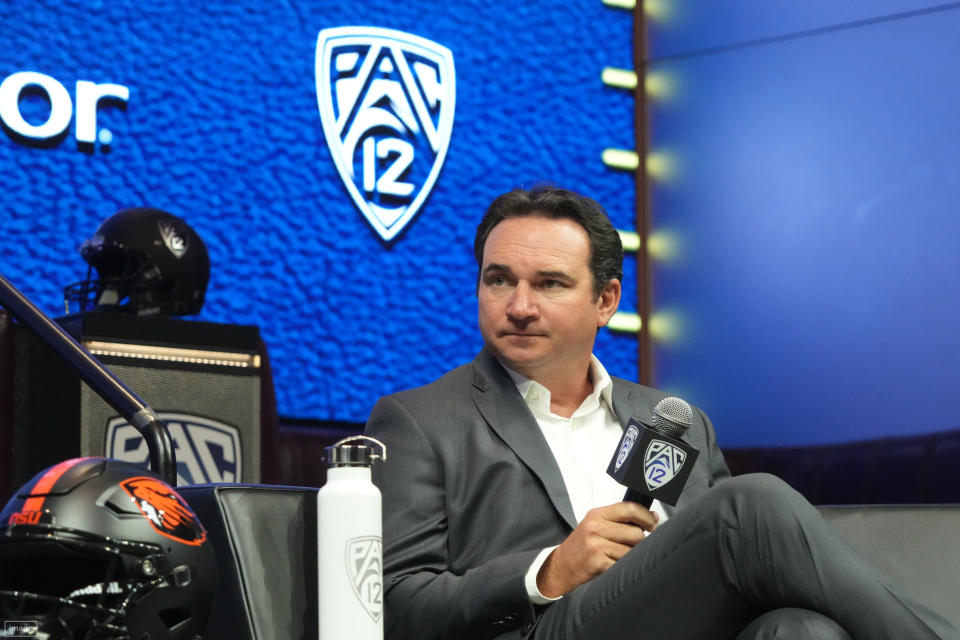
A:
x: 349, y: 547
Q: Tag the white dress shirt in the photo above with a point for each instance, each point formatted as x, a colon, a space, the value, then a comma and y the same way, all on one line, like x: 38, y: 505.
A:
x: 582, y: 446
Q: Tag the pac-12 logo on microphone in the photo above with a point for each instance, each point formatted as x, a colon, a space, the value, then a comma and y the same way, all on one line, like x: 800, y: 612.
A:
x: 661, y: 462
x: 365, y: 569
x: 207, y: 450
x: 386, y: 102
x: 629, y: 439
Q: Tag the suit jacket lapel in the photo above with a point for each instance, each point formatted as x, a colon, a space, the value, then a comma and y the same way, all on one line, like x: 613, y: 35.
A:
x: 501, y: 405
x: 626, y: 403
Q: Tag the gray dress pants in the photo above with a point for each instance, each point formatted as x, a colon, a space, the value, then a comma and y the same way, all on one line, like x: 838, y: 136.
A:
x: 750, y: 559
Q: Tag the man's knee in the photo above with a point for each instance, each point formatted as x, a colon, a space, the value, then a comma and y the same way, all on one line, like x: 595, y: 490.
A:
x: 759, y: 489
x: 759, y: 501
x: 758, y: 486
x: 793, y: 624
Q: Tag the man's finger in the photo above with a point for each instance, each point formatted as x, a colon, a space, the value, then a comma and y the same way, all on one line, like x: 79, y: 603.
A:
x: 629, y: 512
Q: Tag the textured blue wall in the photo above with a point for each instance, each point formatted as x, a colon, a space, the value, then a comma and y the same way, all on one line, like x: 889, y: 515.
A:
x: 815, y: 202
x: 222, y: 128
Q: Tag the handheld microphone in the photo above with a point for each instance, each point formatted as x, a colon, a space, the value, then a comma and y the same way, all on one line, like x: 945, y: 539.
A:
x: 661, y: 469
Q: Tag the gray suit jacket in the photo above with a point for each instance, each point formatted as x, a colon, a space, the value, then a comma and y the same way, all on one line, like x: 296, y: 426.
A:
x: 471, y: 494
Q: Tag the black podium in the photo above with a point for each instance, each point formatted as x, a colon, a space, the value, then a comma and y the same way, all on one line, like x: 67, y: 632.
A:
x: 203, y: 380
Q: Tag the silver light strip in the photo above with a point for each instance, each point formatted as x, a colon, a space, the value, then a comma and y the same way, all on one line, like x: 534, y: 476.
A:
x: 173, y: 354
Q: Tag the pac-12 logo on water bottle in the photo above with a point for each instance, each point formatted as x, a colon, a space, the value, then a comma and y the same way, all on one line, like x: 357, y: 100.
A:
x: 365, y: 569
x: 661, y: 462
x: 386, y: 101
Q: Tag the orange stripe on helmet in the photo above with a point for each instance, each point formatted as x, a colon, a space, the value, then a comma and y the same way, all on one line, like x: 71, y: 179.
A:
x: 46, y: 482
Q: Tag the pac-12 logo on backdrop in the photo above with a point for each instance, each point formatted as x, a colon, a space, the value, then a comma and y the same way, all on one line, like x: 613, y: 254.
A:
x: 207, y: 450
x: 386, y: 102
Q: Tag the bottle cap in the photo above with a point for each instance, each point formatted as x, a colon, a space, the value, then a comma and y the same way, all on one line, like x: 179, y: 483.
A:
x: 362, y: 454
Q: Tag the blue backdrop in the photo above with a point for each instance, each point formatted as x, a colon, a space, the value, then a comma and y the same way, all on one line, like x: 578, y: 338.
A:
x: 222, y: 128
x: 813, y: 205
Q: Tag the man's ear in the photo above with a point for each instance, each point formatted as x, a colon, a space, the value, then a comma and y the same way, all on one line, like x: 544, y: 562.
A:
x: 607, y: 302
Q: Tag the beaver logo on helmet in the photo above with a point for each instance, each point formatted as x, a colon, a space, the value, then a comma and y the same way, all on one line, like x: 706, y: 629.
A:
x: 165, y: 510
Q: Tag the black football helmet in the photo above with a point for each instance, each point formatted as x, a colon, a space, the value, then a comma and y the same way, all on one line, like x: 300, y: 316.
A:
x: 96, y: 548
x: 149, y: 262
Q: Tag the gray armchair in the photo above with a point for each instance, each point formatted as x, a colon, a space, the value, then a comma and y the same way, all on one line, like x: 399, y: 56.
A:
x: 916, y: 546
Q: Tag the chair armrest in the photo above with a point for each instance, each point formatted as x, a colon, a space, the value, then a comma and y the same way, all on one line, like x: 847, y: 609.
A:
x: 915, y: 546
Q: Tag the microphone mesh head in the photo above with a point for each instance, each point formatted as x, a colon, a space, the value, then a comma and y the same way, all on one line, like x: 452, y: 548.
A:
x: 672, y: 417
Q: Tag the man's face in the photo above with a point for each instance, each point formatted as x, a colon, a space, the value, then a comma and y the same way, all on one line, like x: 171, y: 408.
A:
x: 536, y: 305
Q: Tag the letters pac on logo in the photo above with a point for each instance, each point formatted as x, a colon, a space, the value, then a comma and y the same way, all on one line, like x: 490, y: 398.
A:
x: 207, y: 450
x: 386, y: 101
x: 661, y: 462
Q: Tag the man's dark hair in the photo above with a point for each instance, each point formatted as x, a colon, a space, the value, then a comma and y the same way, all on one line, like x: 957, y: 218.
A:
x: 606, y: 250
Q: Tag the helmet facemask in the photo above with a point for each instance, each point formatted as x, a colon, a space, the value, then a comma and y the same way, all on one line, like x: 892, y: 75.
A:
x: 96, y: 556
x: 76, y: 586
x: 124, y: 283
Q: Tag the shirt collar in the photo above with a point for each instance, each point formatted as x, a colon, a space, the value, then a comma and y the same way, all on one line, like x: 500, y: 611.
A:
x: 602, y: 385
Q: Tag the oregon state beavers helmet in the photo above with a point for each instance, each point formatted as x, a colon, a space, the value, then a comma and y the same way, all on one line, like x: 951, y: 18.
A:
x: 149, y: 262
x: 95, y: 548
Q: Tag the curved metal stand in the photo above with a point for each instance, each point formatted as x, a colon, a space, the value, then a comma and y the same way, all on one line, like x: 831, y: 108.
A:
x: 127, y: 403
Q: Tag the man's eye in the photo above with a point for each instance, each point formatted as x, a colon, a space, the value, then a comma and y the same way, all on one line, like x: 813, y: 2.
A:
x: 497, y: 281
x: 551, y: 284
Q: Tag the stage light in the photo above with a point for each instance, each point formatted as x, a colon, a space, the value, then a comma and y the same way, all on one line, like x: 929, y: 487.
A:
x: 621, y: 4
x: 661, y: 165
x: 624, y: 159
x: 619, y: 78
x: 658, y: 10
x: 663, y: 246
x: 629, y: 239
x: 666, y: 327
x: 659, y: 85
x: 625, y: 322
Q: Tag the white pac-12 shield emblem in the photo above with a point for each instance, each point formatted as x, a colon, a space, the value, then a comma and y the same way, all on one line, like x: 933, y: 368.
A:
x: 386, y: 102
x: 629, y: 439
x: 661, y: 462
x: 365, y: 569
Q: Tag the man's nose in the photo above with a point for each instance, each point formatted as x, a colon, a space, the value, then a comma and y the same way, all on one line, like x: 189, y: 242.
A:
x: 522, y: 304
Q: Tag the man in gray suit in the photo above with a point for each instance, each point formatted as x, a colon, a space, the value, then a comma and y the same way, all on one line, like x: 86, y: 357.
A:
x: 499, y: 519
